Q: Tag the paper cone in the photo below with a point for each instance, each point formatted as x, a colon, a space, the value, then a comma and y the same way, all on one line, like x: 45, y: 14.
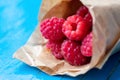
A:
x: 106, y: 36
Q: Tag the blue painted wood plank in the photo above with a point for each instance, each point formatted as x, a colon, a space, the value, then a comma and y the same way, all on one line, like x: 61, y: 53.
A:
x: 18, y: 19
x: 72, y: 78
x: 115, y: 75
x: 17, y: 70
x: 103, y: 73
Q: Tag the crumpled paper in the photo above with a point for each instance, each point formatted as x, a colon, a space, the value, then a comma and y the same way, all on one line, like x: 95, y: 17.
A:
x: 106, y: 36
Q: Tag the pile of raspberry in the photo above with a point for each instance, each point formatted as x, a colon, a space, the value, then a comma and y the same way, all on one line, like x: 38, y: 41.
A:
x: 70, y: 39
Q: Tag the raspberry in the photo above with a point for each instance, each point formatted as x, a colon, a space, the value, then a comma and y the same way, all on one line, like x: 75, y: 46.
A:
x: 75, y: 28
x: 52, y: 28
x: 88, y: 18
x: 86, y: 48
x: 82, y: 11
x: 55, y: 48
x: 72, y: 54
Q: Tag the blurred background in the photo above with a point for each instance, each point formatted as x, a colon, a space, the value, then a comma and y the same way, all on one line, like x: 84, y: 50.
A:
x: 18, y: 19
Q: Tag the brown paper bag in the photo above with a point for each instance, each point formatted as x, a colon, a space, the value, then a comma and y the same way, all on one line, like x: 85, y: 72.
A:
x: 106, y: 36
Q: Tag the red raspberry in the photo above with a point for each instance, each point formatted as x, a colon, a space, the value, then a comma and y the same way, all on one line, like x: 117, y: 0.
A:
x: 55, y: 48
x: 52, y: 28
x: 88, y: 18
x: 82, y: 11
x: 86, y: 48
x: 72, y: 54
x: 75, y: 28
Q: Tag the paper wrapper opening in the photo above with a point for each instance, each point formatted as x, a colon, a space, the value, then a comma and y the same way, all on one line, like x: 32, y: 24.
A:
x: 106, y: 36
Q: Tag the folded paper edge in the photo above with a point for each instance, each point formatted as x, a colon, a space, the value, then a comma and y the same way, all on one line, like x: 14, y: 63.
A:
x: 19, y: 55
x: 114, y: 50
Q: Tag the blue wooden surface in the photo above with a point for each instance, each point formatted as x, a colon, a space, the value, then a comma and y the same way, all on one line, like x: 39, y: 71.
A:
x: 18, y: 19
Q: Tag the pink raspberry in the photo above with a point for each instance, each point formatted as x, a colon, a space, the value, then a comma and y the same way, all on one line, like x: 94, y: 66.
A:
x: 72, y: 54
x: 88, y: 18
x: 52, y: 28
x: 76, y: 28
x: 86, y: 48
x: 82, y: 11
x: 55, y: 48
